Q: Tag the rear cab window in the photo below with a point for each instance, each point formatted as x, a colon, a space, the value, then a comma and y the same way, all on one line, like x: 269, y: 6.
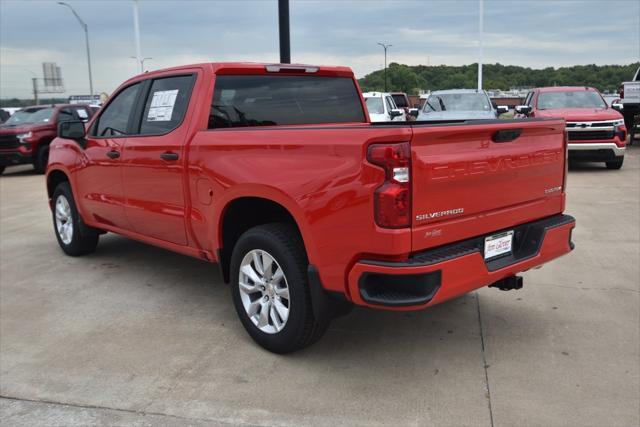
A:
x: 264, y: 100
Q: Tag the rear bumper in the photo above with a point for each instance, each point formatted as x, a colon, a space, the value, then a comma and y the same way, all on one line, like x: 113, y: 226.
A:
x: 595, y: 150
x: 436, y: 275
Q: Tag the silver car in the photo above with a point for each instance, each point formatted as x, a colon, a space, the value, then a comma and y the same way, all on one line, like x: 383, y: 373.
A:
x: 459, y: 104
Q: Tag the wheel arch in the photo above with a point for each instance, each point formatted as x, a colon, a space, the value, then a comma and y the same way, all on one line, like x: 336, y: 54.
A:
x: 54, y: 178
x: 242, y: 213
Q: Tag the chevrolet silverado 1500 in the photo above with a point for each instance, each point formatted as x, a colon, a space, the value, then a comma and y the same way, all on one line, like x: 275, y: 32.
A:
x: 596, y: 132
x: 26, y: 135
x: 276, y: 173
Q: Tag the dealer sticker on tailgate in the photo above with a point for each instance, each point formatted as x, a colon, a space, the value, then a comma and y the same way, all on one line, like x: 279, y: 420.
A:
x: 498, y: 244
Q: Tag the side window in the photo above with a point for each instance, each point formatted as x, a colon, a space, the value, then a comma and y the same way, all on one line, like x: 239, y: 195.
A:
x: 166, y: 104
x: 114, y: 120
x: 390, y: 105
x: 65, y: 115
x: 529, y: 100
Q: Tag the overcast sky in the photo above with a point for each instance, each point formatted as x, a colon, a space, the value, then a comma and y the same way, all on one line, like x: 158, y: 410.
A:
x: 536, y: 33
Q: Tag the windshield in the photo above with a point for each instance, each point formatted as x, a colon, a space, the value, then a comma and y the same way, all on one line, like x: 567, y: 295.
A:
x: 572, y: 99
x: 457, y: 102
x: 29, y: 116
x: 374, y: 105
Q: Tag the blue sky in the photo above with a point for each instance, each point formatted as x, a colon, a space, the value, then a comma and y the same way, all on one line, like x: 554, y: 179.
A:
x: 537, y: 34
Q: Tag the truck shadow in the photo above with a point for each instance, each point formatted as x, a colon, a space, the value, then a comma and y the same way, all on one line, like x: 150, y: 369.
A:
x: 189, y: 282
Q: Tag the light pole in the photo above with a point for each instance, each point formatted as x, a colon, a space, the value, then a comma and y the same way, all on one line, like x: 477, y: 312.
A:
x: 85, y: 27
x: 480, y: 36
x: 385, y: 47
x: 141, y: 61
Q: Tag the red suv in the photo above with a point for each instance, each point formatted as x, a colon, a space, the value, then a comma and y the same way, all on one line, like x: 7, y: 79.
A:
x: 596, y: 131
x: 26, y: 135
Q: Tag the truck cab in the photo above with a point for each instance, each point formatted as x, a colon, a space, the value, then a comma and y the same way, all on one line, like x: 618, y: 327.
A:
x: 596, y: 132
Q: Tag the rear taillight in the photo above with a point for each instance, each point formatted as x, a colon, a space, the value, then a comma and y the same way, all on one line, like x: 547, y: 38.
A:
x: 621, y: 91
x: 392, y: 200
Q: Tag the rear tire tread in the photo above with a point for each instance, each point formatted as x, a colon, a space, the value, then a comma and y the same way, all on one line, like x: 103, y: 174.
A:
x: 289, y: 242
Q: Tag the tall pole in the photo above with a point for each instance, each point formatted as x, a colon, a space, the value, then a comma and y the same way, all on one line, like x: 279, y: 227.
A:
x: 481, y: 31
x: 385, y: 47
x: 34, y: 82
x: 85, y: 27
x: 285, y: 40
x: 136, y: 30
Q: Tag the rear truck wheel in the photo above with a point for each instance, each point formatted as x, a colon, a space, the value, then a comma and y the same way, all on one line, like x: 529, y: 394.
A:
x: 74, y: 237
x: 42, y: 159
x: 270, y: 289
x: 615, y: 164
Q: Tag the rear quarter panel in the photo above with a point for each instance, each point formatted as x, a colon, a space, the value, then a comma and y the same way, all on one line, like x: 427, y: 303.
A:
x: 318, y: 173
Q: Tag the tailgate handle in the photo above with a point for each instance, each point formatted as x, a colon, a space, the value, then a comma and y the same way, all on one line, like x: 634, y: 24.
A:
x: 506, y: 135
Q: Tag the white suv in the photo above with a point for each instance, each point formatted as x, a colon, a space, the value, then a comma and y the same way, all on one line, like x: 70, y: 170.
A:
x: 382, y: 107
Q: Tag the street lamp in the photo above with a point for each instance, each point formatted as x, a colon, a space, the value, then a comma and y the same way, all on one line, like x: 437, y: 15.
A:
x: 385, y: 47
x: 141, y: 62
x: 86, y: 39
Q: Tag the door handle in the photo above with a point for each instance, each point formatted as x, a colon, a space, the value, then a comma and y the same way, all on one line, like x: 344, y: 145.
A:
x: 113, y: 154
x: 169, y: 156
x: 506, y: 135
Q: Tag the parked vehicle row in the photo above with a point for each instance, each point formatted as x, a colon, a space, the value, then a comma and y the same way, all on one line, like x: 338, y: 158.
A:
x: 277, y: 173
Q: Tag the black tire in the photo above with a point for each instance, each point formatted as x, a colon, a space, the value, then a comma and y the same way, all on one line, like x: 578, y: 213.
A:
x: 42, y: 159
x: 84, y: 239
x: 284, y: 244
x: 2, y: 168
x: 615, y: 164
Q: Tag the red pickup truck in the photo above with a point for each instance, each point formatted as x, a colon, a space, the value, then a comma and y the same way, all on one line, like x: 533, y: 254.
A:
x: 597, y: 132
x: 26, y: 135
x: 275, y: 172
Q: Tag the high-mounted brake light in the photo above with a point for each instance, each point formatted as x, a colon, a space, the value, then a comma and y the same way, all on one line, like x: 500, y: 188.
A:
x: 392, y: 200
x: 277, y: 68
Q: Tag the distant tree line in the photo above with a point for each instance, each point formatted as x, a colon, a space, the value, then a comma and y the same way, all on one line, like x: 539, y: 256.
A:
x: 412, y: 78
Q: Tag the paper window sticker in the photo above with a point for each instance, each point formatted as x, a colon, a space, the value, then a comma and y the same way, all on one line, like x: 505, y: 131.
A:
x: 162, y: 103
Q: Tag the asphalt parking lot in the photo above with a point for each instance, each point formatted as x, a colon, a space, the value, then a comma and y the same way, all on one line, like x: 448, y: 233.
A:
x: 137, y: 335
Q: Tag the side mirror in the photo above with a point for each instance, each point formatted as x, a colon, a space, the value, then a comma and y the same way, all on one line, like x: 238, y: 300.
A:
x: 414, y: 112
x: 71, y: 130
x: 523, y: 109
x: 618, y: 106
x: 502, y: 109
x: 396, y: 112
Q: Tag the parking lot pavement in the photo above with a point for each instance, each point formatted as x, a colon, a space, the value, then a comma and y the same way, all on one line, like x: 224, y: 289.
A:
x: 137, y: 335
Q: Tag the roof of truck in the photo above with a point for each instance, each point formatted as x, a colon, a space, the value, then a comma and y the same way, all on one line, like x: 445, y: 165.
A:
x: 566, y: 89
x: 258, y: 68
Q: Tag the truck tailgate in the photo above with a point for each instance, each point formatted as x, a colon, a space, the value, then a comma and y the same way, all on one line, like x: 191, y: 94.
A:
x: 473, y: 179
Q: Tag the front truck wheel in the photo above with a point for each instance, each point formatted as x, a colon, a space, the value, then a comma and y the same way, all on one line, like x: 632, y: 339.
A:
x: 42, y: 159
x: 615, y: 164
x: 74, y: 237
x: 270, y: 289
